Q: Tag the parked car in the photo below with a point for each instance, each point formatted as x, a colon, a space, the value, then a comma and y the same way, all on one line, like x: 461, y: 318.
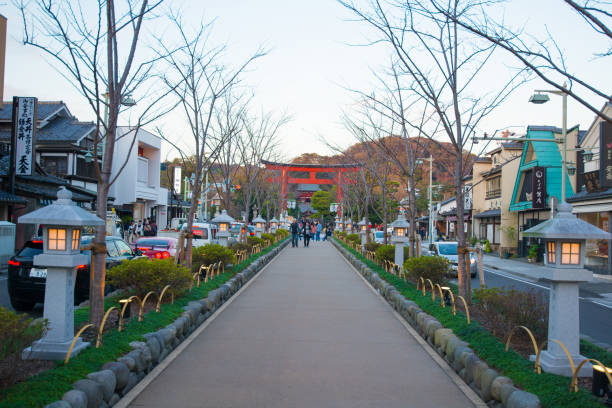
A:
x: 203, y: 233
x: 379, y: 237
x: 156, y: 247
x: 251, y: 230
x: 26, y: 284
x: 448, y: 250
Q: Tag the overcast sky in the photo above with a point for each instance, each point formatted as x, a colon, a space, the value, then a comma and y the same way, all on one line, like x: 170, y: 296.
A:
x: 311, y: 61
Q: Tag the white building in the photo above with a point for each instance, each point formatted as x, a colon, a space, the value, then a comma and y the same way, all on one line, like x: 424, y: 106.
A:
x: 137, y: 190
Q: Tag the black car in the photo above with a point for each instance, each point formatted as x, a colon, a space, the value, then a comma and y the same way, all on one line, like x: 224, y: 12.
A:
x: 26, y: 285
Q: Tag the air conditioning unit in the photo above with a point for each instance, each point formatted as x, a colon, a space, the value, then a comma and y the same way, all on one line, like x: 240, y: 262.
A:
x: 7, y: 243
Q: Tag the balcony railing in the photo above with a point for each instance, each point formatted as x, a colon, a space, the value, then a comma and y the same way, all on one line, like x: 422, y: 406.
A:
x: 493, y: 194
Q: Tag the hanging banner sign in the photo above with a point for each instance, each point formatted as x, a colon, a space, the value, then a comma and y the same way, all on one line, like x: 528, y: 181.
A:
x: 24, y: 134
x: 177, y: 179
x: 538, y: 199
x: 605, y: 157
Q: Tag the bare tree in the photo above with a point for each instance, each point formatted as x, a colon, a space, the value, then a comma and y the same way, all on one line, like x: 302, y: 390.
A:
x: 97, y: 54
x: 545, y: 57
x: 258, y: 142
x: 443, y: 63
x: 198, y: 80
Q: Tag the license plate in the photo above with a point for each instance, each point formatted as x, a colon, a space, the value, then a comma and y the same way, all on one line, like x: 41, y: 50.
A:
x: 38, y: 273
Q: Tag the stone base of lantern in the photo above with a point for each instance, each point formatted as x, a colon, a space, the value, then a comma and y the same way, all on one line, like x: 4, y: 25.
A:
x: 560, y: 365
x: 46, y: 350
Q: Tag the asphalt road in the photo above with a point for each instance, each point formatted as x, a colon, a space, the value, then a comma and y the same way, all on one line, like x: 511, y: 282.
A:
x: 595, y: 308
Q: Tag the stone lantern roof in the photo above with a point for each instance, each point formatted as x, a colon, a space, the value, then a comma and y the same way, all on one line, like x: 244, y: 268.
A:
x: 400, y: 222
x: 259, y: 219
x: 224, y: 217
x: 565, y: 225
x: 274, y: 220
x: 362, y: 222
x: 63, y: 211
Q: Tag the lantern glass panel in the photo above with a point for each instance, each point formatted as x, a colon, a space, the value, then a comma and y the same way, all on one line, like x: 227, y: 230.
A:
x: 76, y: 239
x: 399, y: 232
x: 570, y: 253
x: 223, y: 227
x: 550, y: 252
x: 56, y: 239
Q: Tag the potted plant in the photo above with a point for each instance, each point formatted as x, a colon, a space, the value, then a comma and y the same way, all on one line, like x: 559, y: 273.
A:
x: 533, y: 253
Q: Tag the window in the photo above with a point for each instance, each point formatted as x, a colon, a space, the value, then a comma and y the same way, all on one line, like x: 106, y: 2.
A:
x: 76, y: 239
x: 493, y: 188
x: 55, y: 165
x: 57, y: 239
x: 124, y: 249
x: 570, y: 253
x: 550, y: 252
x: 85, y: 169
x: 111, y: 249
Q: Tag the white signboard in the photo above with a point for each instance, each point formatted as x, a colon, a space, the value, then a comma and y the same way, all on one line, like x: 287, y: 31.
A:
x: 24, y: 133
x: 177, y: 179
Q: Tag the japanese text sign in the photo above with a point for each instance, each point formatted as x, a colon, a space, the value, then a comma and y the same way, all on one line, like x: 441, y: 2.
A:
x: 24, y: 134
x: 538, y: 199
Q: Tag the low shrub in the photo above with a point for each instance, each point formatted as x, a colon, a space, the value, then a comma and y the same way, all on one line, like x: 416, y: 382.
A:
x: 268, y: 237
x: 473, y: 241
x: 252, y: 241
x: 372, y: 246
x: 387, y: 253
x: 210, y: 254
x: 282, y: 233
x: 353, y: 238
x: 429, y: 267
x: 502, y: 310
x: 239, y: 246
x: 17, y: 332
x: 144, y: 275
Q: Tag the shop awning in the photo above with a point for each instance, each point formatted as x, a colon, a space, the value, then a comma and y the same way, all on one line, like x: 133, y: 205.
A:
x: 489, y: 214
x: 591, y: 208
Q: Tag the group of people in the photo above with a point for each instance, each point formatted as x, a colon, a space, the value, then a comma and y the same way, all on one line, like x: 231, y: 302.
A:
x: 308, y: 230
x: 135, y: 230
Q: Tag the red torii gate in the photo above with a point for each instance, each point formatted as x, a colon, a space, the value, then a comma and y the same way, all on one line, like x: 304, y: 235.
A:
x: 312, y: 169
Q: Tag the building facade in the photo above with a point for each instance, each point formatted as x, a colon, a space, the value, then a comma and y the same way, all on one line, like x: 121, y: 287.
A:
x: 136, y: 191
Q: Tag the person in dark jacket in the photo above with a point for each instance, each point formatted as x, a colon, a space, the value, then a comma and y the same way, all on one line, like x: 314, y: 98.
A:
x: 306, y: 232
x: 295, y: 233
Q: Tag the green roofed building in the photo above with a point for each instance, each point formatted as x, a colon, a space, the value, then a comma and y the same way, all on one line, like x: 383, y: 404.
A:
x: 546, y: 157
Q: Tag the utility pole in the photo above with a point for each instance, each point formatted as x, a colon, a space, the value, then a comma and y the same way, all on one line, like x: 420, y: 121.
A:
x: 206, y: 197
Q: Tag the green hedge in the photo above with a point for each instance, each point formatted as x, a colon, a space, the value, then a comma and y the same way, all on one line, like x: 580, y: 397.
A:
x: 50, y: 385
x: 552, y: 390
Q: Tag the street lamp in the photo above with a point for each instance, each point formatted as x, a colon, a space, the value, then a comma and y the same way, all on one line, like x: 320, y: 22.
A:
x: 430, y: 222
x: 541, y: 97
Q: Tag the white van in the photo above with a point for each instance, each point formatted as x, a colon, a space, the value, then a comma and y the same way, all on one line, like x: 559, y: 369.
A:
x: 203, y: 233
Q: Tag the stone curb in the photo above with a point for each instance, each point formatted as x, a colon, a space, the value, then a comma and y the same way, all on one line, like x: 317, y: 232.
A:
x: 494, y: 389
x: 104, y: 388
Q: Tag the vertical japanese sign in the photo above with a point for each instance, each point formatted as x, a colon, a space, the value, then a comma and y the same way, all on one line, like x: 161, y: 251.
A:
x: 605, y: 156
x: 538, y: 199
x: 177, y: 180
x: 24, y: 134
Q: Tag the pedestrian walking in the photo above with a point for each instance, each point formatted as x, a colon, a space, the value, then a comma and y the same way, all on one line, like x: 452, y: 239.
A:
x: 319, y: 229
x: 139, y: 229
x: 131, y: 232
x: 295, y: 232
x: 313, y: 231
x: 306, y: 232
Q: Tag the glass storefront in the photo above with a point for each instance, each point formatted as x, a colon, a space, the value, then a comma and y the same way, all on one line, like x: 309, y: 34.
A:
x: 597, y: 250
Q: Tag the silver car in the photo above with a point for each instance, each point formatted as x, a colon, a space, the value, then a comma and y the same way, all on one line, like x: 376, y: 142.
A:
x: 448, y: 250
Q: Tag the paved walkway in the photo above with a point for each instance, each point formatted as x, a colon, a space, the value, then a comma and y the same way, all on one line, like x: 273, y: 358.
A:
x: 308, y: 332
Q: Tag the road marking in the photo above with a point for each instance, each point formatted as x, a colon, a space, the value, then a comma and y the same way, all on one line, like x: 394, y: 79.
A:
x: 547, y: 288
x: 158, y: 369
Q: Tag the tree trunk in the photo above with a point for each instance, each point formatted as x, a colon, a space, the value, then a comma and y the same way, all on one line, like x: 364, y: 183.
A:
x: 463, y: 274
x: 98, y: 263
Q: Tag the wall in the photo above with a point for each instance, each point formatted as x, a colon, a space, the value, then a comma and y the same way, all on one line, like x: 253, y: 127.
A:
x: 511, y: 158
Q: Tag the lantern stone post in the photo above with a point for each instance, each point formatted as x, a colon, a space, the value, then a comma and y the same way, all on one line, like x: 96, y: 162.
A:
x: 363, y: 231
x: 259, y: 225
x: 224, y: 221
x: 564, y: 236
x: 62, y: 222
x: 273, y: 225
x: 398, y: 238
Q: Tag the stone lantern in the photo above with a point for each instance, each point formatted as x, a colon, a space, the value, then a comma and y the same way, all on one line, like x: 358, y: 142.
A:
x: 363, y: 230
x: 260, y: 224
x: 273, y: 225
x: 62, y: 223
x: 400, y: 227
x: 338, y: 224
x: 349, y: 227
x: 564, y: 236
x: 224, y: 221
